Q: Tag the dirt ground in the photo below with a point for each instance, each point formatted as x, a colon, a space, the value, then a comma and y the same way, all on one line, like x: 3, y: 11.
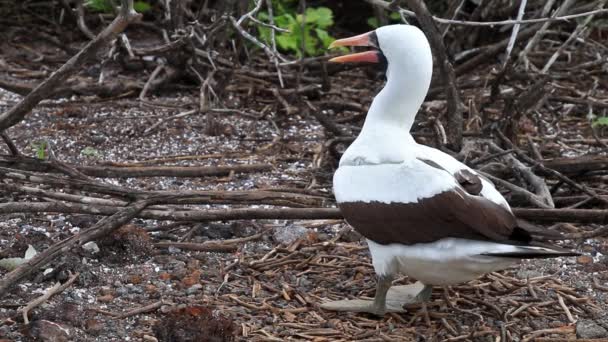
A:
x: 271, y: 288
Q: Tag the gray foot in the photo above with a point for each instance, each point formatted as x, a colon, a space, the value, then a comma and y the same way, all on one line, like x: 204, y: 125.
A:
x: 396, y: 298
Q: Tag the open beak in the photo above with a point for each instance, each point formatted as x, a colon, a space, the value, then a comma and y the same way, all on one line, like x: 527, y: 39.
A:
x: 372, y: 56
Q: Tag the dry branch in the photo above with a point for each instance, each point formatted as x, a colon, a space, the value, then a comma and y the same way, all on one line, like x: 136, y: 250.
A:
x: 387, y: 5
x: 598, y: 216
x: 455, y: 107
x: 101, y: 228
x: 44, y: 89
x: 55, y: 289
x: 100, y: 171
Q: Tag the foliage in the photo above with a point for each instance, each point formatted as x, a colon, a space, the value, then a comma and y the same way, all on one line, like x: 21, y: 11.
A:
x: 40, y: 148
x: 89, y: 152
x: 105, y: 6
x: 308, y: 30
x: 394, y: 17
x: 600, y: 122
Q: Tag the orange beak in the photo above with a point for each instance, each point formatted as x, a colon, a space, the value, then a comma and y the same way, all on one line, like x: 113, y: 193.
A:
x: 360, y: 40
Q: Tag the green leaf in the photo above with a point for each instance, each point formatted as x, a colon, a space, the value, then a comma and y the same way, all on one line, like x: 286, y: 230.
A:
x: 325, y: 38
x: 320, y: 16
x: 104, y: 6
x: 373, y: 22
x: 141, y: 6
x: 89, y: 152
x: 603, y: 121
x: 40, y: 148
x: 286, y: 42
x: 395, y: 16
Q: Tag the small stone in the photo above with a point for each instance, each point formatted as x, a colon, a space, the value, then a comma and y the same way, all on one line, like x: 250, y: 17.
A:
x: 93, y: 326
x: 289, y: 233
x: 149, y: 288
x: 135, y: 279
x: 173, y: 250
x: 105, y: 298
x: 586, y: 328
x: 194, y: 288
x: 43, y: 330
x: 121, y: 291
x: 105, y: 290
x: 91, y: 247
x: 584, y: 259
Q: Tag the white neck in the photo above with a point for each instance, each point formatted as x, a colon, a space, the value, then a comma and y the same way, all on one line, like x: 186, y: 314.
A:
x: 398, y: 102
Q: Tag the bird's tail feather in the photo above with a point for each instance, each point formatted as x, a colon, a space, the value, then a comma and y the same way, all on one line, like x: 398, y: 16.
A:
x: 534, y: 252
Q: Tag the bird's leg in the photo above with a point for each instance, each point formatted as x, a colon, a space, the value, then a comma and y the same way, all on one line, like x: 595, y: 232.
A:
x: 383, y: 283
x: 377, y: 307
x: 425, y: 294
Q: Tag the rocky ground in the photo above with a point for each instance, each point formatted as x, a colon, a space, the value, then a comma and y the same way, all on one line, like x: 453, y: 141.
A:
x: 130, y: 287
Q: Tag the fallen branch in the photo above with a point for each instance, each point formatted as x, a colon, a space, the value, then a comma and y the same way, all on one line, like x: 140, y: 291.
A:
x: 565, y: 18
x: 216, y: 247
x: 100, y: 171
x: 57, y: 288
x: 101, y: 228
x: 455, y: 106
x: 14, y: 115
x: 269, y: 197
x: 598, y: 216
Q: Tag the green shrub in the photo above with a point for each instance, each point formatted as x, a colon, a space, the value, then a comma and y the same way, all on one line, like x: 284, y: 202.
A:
x: 105, y: 6
x: 313, y: 31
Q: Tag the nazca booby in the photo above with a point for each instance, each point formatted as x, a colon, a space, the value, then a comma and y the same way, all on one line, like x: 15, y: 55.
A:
x: 424, y: 214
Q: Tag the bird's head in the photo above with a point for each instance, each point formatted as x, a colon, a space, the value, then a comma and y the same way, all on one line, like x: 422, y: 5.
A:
x: 400, y: 47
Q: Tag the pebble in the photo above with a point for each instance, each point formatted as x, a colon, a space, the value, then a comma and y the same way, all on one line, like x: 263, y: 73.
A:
x: 43, y: 330
x: 289, y: 233
x: 121, y: 291
x: 194, y: 288
x: 587, y: 328
x: 91, y: 247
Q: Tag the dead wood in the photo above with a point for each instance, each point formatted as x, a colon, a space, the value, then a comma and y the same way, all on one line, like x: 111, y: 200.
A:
x: 541, y: 197
x: 577, y: 166
x: 57, y: 288
x: 101, y: 171
x: 101, y: 228
x: 540, y: 167
x: 201, y: 247
x: 43, y: 90
x: 269, y: 196
x: 446, y: 70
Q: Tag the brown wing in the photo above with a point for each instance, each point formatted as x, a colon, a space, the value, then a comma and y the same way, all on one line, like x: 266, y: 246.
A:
x: 448, y: 214
x: 467, y: 179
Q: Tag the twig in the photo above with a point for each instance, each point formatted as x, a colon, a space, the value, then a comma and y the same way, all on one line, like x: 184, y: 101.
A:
x: 560, y: 300
x: 208, y: 246
x: 386, y: 5
x: 539, y: 166
x: 21, y: 109
x: 81, y: 23
x: 101, y: 228
x: 55, y: 289
x: 100, y: 171
x: 147, y: 308
x: 273, y: 41
x: 541, y: 197
x: 520, y: 14
x: 10, y: 144
x: 144, y: 91
x: 455, y: 106
x: 539, y: 34
x: 580, y: 29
